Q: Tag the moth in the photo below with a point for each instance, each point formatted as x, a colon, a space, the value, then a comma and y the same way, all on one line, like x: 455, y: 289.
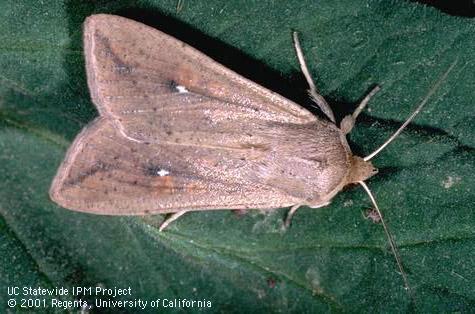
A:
x: 178, y: 132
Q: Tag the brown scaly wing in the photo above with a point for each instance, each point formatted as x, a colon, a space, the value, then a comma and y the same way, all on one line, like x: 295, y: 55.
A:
x: 180, y: 131
x: 105, y: 173
x: 136, y: 73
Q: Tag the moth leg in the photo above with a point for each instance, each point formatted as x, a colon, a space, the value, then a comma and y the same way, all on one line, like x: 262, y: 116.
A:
x: 171, y: 219
x: 348, y: 122
x: 290, y: 214
x: 316, y: 97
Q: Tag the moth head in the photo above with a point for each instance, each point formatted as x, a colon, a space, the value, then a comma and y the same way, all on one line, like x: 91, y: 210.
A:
x: 360, y: 170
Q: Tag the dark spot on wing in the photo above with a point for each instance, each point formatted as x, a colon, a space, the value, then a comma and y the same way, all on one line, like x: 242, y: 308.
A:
x: 123, y: 69
x: 98, y: 167
x: 120, y: 66
x: 172, y: 84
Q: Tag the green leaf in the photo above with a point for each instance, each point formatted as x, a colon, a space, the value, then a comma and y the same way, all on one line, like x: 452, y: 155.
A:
x: 331, y: 259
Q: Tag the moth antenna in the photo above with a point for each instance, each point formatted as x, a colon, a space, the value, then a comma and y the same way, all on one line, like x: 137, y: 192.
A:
x: 316, y: 97
x: 418, y: 109
x: 392, y: 243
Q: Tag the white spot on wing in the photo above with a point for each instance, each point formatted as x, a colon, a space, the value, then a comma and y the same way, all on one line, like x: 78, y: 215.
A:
x: 181, y: 89
x: 163, y: 173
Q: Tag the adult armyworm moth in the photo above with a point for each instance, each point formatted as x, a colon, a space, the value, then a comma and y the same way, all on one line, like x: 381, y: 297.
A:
x: 178, y: 132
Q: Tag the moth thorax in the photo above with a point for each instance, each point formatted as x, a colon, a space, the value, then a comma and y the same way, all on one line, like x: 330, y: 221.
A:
x: 360, y: 170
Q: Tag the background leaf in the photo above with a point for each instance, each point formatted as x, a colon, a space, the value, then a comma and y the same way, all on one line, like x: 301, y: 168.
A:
x: 332, y: 259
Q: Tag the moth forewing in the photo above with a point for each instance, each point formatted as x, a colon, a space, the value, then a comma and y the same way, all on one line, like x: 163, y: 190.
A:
x: 135, y: 71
